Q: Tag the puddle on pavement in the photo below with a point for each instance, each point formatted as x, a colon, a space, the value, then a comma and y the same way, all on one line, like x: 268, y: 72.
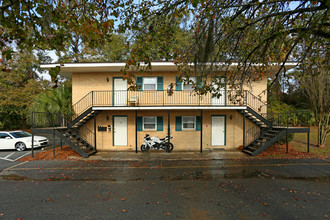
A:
x: 243, y: 174
x: 207, y: 175
x: 264, y: 175
x: 14, y: 177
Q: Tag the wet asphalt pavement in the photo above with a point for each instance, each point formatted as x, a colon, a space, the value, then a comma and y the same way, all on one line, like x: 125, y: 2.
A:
x: 219, y: 189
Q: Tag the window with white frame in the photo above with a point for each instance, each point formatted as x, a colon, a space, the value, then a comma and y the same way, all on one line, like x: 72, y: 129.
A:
x: 186, y: 85
x: 188, y: 122
x: 149, y: 83
x: 150, y: 123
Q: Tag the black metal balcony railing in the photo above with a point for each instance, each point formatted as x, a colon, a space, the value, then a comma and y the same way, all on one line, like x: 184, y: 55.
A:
x: 289, y: 119
x: 164, y: 98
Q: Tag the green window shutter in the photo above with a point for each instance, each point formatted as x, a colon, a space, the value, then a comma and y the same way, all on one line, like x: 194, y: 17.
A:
x: 178, y: 86
x: 198, y: 123
x: 160, y: 83
x: 159, y: 123
x: 178, y: 123
x: 139, y: 123
x: 199, y: 82
x: 139, y: 83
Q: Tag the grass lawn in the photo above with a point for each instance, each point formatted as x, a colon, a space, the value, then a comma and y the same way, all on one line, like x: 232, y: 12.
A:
x: 299, y: 143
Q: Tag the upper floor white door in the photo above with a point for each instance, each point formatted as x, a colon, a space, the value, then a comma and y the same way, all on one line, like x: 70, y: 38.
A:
x: 222, y: 99
x: 119, y: 91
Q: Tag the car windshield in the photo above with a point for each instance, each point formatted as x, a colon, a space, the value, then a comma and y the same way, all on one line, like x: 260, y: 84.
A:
x: 20, y: 134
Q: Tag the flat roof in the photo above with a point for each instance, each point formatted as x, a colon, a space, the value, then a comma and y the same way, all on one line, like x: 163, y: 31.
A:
x: 68, y: 68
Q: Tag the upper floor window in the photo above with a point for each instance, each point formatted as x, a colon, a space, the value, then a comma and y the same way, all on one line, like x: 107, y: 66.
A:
x: 149, y: 83
x: 188, y: 86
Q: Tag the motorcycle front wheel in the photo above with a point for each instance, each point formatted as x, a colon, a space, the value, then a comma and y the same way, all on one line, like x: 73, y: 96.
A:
x: 168, y: 147
x: 144, y: 148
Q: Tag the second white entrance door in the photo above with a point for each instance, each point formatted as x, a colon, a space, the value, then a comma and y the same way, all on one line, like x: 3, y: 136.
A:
x: 120, y: 135
x: 218, y: 131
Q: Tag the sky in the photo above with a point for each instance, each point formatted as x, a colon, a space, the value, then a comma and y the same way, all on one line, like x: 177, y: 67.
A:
x: 52, y: 55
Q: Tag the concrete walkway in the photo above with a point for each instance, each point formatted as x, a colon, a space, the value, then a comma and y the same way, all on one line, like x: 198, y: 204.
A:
x: 208, y: 154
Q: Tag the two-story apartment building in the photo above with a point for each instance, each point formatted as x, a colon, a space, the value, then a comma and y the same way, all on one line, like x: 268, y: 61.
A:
x: 111, y: 117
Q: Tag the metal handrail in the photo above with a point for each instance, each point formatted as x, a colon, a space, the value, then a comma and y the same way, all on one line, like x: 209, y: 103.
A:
x: 55, y: 120
x: 83, y: 104
x: 48, y: 120
x: 289, y: 119
x: 252, y: 134
x: 157, y: 98
x: 279, y: 120
x: 86, y: 134
x: 255, y: 103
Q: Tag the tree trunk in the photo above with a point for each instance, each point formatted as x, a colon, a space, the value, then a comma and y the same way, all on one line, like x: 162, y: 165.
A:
x: 322, y: 131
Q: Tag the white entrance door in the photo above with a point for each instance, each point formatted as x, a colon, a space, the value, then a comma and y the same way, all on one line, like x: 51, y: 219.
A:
x: 218, y: 131
x: 120, y: 92
x: 222, y: 99
x: 120, y: 131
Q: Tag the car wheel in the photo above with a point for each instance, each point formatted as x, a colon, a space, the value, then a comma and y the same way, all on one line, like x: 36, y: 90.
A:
x: 20, y: 146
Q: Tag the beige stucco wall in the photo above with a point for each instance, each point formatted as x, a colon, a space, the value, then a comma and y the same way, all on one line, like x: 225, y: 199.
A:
x: 182, y: 140
x: 83, y: 83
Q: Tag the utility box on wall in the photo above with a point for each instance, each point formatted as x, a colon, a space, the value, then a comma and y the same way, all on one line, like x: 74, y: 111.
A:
x: 101, y: 128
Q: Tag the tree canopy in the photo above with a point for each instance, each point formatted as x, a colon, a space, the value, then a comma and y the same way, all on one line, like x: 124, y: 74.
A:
x: 247, y: 32
x: 55, y: 24
x: 19, y: 85
x: 209, y: 34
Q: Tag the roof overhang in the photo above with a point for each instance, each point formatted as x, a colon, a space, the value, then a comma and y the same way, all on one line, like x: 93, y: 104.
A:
x: 68, y: 68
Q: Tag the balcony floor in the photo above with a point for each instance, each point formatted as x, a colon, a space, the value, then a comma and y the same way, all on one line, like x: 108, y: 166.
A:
x: 168, y: 107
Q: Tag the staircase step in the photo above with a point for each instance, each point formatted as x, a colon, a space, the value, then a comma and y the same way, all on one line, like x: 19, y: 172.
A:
x: 85, y: 119
x: 247, y: 151
x: 269, y: 134
x: 252, y: 148
x: 68, y: 141
x: 72, y: 137
x: 274, y: 132
x: 81, y: 143
x: 91, y: 152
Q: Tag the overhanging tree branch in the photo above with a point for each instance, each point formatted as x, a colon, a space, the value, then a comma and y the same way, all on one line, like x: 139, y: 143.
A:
x: 302, y: 10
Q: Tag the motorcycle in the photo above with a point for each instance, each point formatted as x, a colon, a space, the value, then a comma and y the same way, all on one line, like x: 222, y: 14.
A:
x: 154, y: 143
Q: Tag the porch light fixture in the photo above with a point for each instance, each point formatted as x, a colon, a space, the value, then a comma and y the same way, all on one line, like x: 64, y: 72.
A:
x: 231, y: 117
x: 107, y: 79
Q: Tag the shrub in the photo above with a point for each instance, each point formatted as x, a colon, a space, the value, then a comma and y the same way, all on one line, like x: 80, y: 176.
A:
x: 283, y: 139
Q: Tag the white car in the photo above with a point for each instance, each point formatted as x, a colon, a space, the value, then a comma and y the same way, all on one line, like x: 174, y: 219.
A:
x: 20, y: 140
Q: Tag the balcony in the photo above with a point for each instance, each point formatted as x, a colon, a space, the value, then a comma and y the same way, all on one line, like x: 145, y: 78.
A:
x: 117, y: 99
